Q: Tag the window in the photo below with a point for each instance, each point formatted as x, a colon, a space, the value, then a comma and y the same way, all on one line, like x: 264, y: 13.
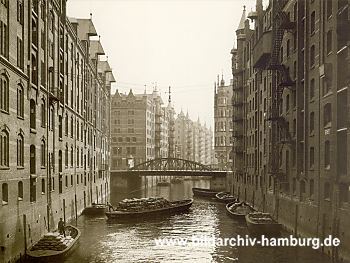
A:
x: 52, y: 118
x: 4, y: 93
x: 327, y: 115
x: 32, y: 159
x: 20, y: 190
x: 288, y: 47
x: 60, y: 161
x: 60, y: 124
x: 32, y: 114
x: 329, y: 8
x: 20, y: 101
x: 66, y: 125
x: 312, y: 157
x: 312, y: 122
x: 71, y: 156
x: 66, y: 156
x: 312, y: 56
x: 329, y: 41
x: 287, y: 103
x: 20, y: 53
x: 4, y: 148
x: 43, y: 186
x: 71, y: 126
x: 20, y: 150
x: 312, y: 188
x: 327, y: 155
x: 43, y: 113
x: 20, y: 12
x: 4, y: 39
x: 5, y: 193
x: 43, y: 154
x: 313, y: 22
x: 327, y: 191
x: 312, y: 88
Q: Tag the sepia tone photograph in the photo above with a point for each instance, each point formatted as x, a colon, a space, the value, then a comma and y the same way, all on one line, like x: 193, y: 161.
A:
x: 151, y: 131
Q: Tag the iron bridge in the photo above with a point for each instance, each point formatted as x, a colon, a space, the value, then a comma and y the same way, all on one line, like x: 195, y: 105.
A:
x: 170, y: 167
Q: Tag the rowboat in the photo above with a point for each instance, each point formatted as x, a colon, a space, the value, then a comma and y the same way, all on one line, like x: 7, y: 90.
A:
x: 176, y: 180
x: 204, y: 192
x: 140, y: 212
x: 238, y: 210
x: 95, y: 209
x: 225, y: 197
x: 54, y: 247
x: 163, y: 183
x: 262, y: 224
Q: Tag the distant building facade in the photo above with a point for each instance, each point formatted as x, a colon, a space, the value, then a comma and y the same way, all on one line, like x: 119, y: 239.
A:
x: 141, y: 129
x: 54, y: 121
x: 223, y: 124
x: 193, y: 141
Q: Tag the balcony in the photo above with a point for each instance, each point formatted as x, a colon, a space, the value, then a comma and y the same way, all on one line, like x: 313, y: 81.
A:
x: 262, y: 50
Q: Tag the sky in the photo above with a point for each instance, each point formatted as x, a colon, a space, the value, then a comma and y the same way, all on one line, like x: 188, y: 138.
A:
x: 184, y: 44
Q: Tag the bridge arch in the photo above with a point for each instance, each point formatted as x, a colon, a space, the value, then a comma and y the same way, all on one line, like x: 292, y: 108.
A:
x: 170, y: 164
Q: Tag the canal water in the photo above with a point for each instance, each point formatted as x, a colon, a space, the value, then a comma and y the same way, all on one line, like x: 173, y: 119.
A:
x: 103, y: 241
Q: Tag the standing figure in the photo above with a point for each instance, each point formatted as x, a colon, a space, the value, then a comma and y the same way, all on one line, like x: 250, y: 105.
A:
x: 61, y: 226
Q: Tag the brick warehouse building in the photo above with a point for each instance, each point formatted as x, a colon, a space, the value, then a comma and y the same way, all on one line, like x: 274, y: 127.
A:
x: 291, y: 116
x: 54, y: 120
x: 142, y: 129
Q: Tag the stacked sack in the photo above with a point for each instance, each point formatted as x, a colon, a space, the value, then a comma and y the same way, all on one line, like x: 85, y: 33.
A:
x: 53, y: 241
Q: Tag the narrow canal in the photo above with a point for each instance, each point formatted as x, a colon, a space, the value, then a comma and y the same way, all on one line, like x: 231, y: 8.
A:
x: 103, y: 241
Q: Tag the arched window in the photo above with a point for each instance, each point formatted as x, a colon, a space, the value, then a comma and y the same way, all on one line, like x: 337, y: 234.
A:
x: 4, y: 93
x: 5, y: 193
x: 32, y: 114
x: 20, y: 101
x: 32, y: 159
x: 20, y: 190
x: 4, y: 148
x: 20, y: 150
x: 43, y: 153
x: 43, y: 113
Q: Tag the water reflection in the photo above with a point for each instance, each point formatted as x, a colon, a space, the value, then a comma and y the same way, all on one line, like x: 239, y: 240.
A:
x: 103, y: 241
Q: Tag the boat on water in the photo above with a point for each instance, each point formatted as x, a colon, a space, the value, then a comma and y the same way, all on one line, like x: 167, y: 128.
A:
x: 95, y: 209
x: 163, y: 183
x: 203, y: 192
x: 225, y: 197
x: 54, y: 247
x: 260, y: 223
x: 238, y: 210
x: 147, y: 207
x: 176, y: 180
